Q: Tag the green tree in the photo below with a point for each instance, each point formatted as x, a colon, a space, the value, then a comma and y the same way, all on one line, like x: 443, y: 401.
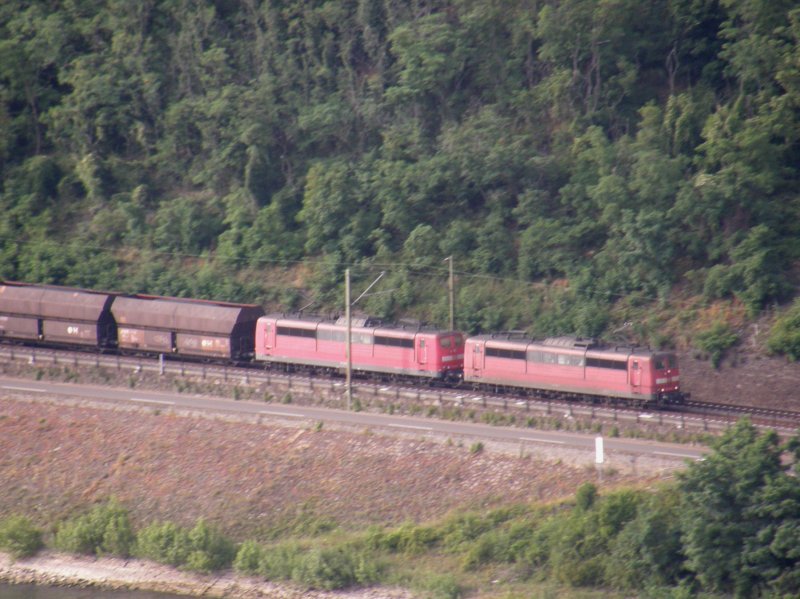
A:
x: 648, y: 550
x: 731, y: 513
x: 187, y: 224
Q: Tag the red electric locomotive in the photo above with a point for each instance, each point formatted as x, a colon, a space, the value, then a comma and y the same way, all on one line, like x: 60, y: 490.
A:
x: 573, y: 366
x: 375, y: 347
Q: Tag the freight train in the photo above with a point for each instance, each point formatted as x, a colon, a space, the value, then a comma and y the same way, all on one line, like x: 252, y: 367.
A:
x: 211, y: 330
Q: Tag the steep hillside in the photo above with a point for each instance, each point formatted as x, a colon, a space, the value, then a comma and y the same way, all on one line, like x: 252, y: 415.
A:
x: 576, y: 160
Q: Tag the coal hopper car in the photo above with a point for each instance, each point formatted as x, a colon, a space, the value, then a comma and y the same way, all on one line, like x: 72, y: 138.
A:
x: 46, y: 314
x: 186, y: 327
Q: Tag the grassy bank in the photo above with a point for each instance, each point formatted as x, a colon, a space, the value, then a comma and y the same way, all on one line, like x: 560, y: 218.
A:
x: 490, y: 554
x: 728, y: 525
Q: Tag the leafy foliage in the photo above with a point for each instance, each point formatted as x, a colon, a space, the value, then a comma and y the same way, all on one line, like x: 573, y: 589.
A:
x: 612, y: 146
x: 201, y: 548
x: 19, y: 537
x: 716, y: 341
x: 730, y: 525
x: 106, y: 529
x: 740, y: 516
x: 784, y: 338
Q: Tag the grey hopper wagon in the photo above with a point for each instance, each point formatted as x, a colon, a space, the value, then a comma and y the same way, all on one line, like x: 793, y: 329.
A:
x: 198, y: 328
x: 57, y: 315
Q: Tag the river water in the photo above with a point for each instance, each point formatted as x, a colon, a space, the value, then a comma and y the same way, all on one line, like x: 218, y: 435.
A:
x: 29, y: 591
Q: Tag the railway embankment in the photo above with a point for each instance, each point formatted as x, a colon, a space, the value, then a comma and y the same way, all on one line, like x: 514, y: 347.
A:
x: 249, y: 480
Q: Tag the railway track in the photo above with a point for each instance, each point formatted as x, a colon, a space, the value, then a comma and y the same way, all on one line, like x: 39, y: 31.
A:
x: 763, y: 416
x: 692, y: 416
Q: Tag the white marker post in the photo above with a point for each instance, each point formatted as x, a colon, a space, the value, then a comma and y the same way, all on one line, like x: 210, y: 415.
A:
x: 599, y: 457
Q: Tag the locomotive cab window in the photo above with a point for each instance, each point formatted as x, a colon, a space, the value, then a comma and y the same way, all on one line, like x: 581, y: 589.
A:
x: 297, y: 332
x: 570, y: 360
x: 396, y: 341
x: 511, y: 354
x: 362, y: 339
x: 326, y: 335
x: 606, y: 363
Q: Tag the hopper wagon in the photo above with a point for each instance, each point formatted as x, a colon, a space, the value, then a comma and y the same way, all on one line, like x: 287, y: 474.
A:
x: 186, y: 327
x: 48, y: 314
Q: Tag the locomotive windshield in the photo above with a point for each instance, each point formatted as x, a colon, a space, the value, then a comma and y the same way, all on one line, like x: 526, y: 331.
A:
x: 664, y: 362
x: 455, y: 341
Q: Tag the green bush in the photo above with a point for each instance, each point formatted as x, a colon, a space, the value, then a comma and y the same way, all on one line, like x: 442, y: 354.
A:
x: 211, y: 551
x: 248, y: 558
x: 462, y: 530
x: 716, y: 341
x: 278, y: 562
x: 784, y: 338
x: 410, y: 539
x: 585, y: 496
x: 326, y: 569
x: 490, y: 547
x: 19, y: 537
x: 202, y: 548
x: 165, y: 543
x: 572, y: 546
x: 440, y: 586
x: 106, y: 529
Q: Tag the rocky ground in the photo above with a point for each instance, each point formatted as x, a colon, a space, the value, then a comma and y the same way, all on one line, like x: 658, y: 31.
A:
x: 745, y: 378
x: 254, y: 479
x: 114, y: 573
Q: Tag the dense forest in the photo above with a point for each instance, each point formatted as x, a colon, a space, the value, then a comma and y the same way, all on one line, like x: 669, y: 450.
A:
x: 580, y: 160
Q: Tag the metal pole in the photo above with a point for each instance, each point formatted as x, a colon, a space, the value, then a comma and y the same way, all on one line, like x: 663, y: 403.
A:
x: 348, y: 340
x: 451, y: 289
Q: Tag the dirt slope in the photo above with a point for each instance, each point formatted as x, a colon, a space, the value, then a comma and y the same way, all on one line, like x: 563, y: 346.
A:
x: 252, y: 478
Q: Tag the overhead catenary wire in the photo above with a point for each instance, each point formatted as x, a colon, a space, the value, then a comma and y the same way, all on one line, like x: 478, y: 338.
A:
x: 411, y: 269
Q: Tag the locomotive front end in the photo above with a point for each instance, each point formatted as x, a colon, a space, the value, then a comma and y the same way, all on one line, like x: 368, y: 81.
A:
x: 667, y: 378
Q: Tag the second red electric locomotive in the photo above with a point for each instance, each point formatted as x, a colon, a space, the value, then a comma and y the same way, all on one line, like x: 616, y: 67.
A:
x: 573, y: 366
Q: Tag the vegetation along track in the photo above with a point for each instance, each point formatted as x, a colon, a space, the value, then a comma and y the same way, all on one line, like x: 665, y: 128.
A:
x: 253, y: 382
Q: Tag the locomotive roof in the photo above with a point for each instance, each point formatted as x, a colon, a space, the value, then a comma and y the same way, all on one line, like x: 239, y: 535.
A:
x: 565, y: 342
x: 183, y: 314
x: 360, y: 321
x: 522, y: 337
x: 51, y: 301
